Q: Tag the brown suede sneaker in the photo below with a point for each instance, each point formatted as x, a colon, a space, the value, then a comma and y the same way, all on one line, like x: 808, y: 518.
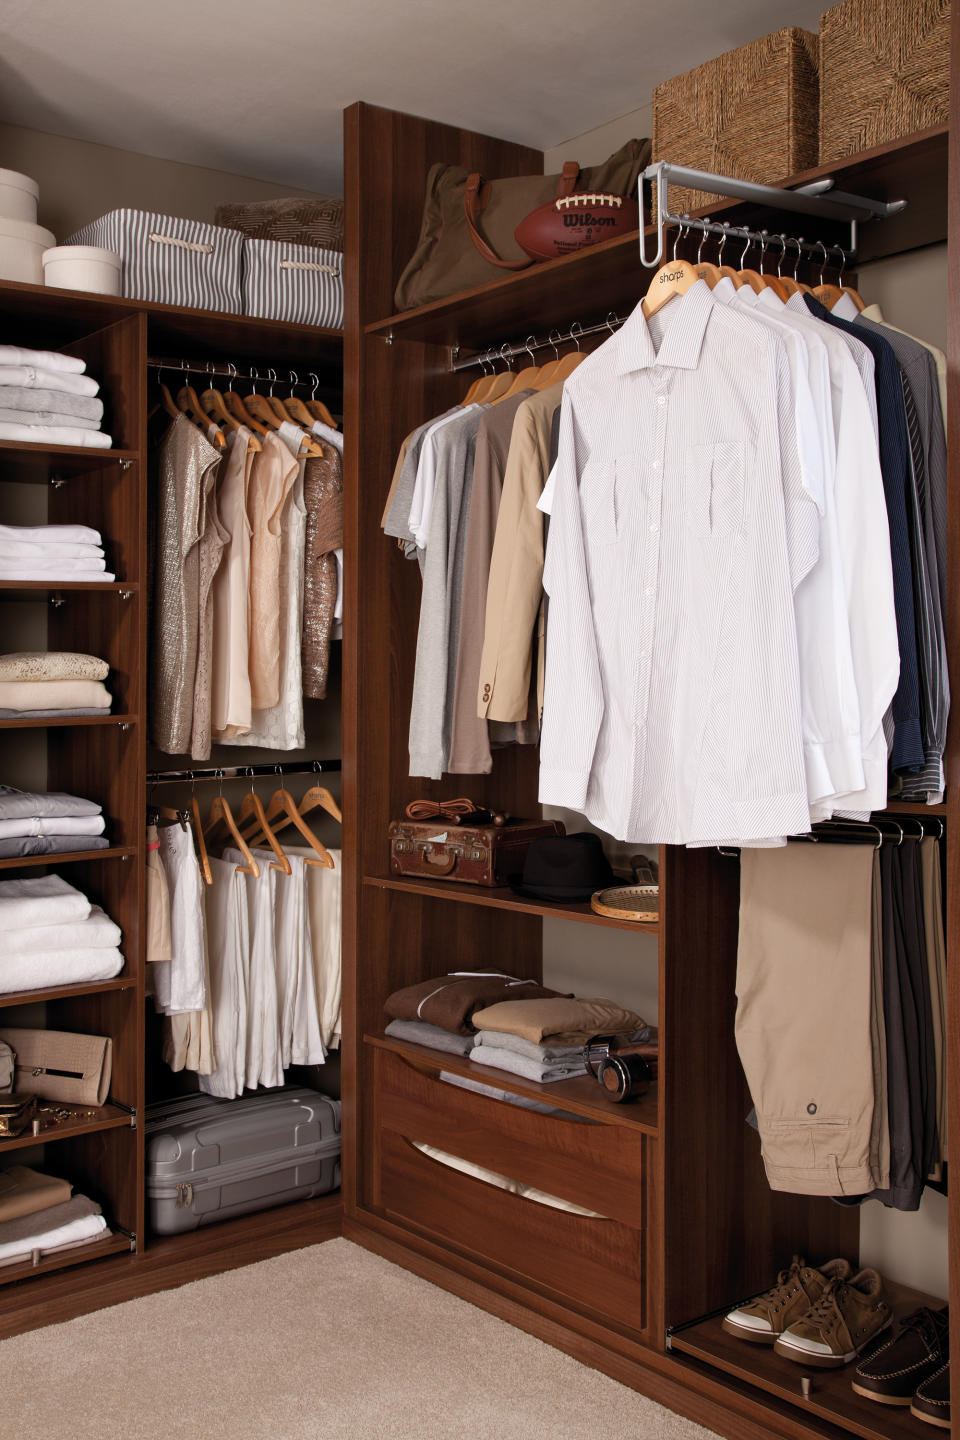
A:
x: 891, y: 1374
x: 932, y: 1400
x: 846, y: 1317
x: 761, y: 1320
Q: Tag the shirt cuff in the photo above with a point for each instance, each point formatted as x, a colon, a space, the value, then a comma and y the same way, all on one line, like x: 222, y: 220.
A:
x: 567, y: 788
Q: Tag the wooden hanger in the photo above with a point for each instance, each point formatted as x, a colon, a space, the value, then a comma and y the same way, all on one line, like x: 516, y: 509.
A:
x: 704, y: 268
x: 251, y: 807
x: 234, y: 403
x: 202, y: 856
x: 316, y: 407
x: 167, y: 400
x: 213, y: 404
x: 282, y: 805
x: 259, y: 406
x: 221, y: 814
x: 295, y: 407
x: 189, y: 402
x: 481, y: 383
x: 673, y: 279
x: 319, y: 796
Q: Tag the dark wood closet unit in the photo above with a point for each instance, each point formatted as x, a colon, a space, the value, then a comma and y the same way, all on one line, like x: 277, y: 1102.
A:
x: 105, y: 758
x: 690, y: 1224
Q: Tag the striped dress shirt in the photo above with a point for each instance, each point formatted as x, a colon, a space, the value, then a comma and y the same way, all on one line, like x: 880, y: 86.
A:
x: 680, y: 528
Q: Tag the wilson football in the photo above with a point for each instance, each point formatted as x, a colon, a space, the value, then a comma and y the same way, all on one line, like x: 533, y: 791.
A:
x: 574, y: 221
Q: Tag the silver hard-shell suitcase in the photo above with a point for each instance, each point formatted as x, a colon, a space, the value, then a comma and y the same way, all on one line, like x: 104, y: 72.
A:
x: 210, y: 1159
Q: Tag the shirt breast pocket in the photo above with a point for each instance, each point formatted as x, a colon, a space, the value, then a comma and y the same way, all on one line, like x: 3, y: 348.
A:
x: 598, y: 503
x: 716, y: 487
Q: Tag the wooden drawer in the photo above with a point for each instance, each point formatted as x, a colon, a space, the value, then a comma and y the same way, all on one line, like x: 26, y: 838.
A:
x: 601, y: 1167
x: 596, y: 1265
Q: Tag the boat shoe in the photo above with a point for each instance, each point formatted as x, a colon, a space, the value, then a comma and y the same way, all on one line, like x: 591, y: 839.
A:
x: 762, y: 1319
x: 932, y: 1399
x: 892, y: 1373
x: 847, y: 1316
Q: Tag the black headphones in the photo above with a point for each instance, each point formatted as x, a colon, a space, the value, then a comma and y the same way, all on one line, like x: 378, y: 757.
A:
x: 621, y: 1076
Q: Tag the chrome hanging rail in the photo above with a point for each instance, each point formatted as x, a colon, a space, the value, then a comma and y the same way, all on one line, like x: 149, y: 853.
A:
x: 244, y: 772
x: 817, y: 199
x: 511, y: 350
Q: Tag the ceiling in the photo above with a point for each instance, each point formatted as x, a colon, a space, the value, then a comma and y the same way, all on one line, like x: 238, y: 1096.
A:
x: 258, y: 89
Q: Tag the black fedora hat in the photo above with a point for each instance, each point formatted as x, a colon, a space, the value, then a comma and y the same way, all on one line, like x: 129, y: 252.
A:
x: 564, y: 867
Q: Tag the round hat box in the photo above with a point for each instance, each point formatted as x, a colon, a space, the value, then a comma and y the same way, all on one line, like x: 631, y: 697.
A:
x: 19, y: 196
x: 82, y: 267
x: 21, y: 250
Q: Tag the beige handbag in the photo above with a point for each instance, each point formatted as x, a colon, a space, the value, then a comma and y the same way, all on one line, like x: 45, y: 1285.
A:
x: 58, y: 1065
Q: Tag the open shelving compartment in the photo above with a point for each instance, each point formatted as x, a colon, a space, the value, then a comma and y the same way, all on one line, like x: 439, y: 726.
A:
x: 711, y: 1229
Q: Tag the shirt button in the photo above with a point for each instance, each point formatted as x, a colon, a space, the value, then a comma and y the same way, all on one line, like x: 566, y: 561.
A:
x: 649, y: 590
x: 654, y: 464
x: 661, y: 399
x: 654, y: 529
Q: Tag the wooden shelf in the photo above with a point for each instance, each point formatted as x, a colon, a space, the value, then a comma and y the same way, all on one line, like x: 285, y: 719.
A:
x: 68, y: 857
x: 501, y: 898
x: 35, y: 464
x: 580, y: 1096
x: 111, y: 1117
x: 114, y: 1244
x: 32, y: 589
x: 59, y: 315
x: 587, y: 285
x: 45, y: 722
x: 832, y: 1397
x: 66, y: 992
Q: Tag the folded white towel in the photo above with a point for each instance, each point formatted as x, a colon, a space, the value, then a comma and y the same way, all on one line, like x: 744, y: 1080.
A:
x: 73, y: 1234
x: 46, y: 968
x: 97, y: 932
x: 56, y: 534
x: 46, y: 550
x: 57, y: 435
x: 40, y: 900
x: 53, y: 825
x: 53, y: 570
x: 33, y: 377
x: 51, y: 694
x: 52, y: 665
x: 13, y: 415
x: 45, y: 359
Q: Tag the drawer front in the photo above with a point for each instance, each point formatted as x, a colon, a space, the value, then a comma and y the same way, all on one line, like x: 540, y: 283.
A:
x: 597, y: 1265
x: 601, y: 1167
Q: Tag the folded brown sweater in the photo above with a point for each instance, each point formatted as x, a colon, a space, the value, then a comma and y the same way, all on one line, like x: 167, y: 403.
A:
x: 25, y: 1192
x: 562, y: 1020
x: 450, y: 1000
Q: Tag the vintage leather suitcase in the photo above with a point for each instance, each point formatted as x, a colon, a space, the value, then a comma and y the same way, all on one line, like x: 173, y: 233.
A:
x: 471, y: 854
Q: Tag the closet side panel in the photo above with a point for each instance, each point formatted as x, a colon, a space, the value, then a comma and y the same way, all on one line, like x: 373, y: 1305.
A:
x: 388, y: 390
x: 952, y: 756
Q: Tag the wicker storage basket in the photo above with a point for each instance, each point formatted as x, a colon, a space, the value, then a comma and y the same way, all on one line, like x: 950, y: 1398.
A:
x: 750, y: 114
x: 295, y: 221
x: 884, y: 72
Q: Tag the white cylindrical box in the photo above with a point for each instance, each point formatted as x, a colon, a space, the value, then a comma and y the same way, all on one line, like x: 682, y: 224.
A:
x: 19, y: 196
x: 82, y: 267
x: 21, y: 250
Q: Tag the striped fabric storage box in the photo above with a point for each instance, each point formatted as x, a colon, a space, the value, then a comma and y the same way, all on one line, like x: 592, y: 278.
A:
x: 301, y: 284
x: 170, y: 260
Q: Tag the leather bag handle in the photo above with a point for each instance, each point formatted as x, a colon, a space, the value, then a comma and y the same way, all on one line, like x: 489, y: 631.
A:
x: 475, y: 200
x: 443, y: 864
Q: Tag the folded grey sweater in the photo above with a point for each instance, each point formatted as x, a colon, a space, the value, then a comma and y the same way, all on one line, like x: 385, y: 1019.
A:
x: 421, y: 1033
x: 64, y: 402
x: 503, y: 1040
x: 544, y: 1072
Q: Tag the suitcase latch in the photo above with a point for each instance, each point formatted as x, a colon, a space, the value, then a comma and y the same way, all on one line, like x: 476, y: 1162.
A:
x: 184, y: 1196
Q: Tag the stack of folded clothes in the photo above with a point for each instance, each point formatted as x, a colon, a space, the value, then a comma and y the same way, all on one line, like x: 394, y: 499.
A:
x: 41, y: 824
x: 37, y: 1213
x: 543, y: 1039
x: 52, y: 683
x: 46, y: 398
x: 52, y: 552
x: 439, y: 1012
x: 53, y: 935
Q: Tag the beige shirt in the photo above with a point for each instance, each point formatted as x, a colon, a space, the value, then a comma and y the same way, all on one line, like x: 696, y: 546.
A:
x: 231, y: 709
x: 271, y: 478
x: 514, y: 589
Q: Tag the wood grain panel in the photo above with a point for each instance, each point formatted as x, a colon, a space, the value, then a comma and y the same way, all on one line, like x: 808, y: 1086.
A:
x: 596, y: 1264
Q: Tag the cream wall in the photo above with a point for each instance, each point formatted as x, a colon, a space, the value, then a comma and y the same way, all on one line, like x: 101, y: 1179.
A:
x: 911, y: 290
x: 80, y: 181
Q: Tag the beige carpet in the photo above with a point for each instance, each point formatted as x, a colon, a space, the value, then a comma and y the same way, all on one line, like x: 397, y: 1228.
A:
x: 327, y: 1343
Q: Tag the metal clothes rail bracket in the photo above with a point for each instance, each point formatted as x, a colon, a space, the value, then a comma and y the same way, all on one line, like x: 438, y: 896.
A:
x: 818, y: 199
x: 245, y: 772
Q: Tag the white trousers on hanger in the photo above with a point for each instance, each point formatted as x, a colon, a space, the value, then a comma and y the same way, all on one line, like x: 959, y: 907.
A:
x: 301, y: 1042
x: 228, y: 945
x: 179, y: 982
x: 323, y: 889
x: 264, y: 1061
